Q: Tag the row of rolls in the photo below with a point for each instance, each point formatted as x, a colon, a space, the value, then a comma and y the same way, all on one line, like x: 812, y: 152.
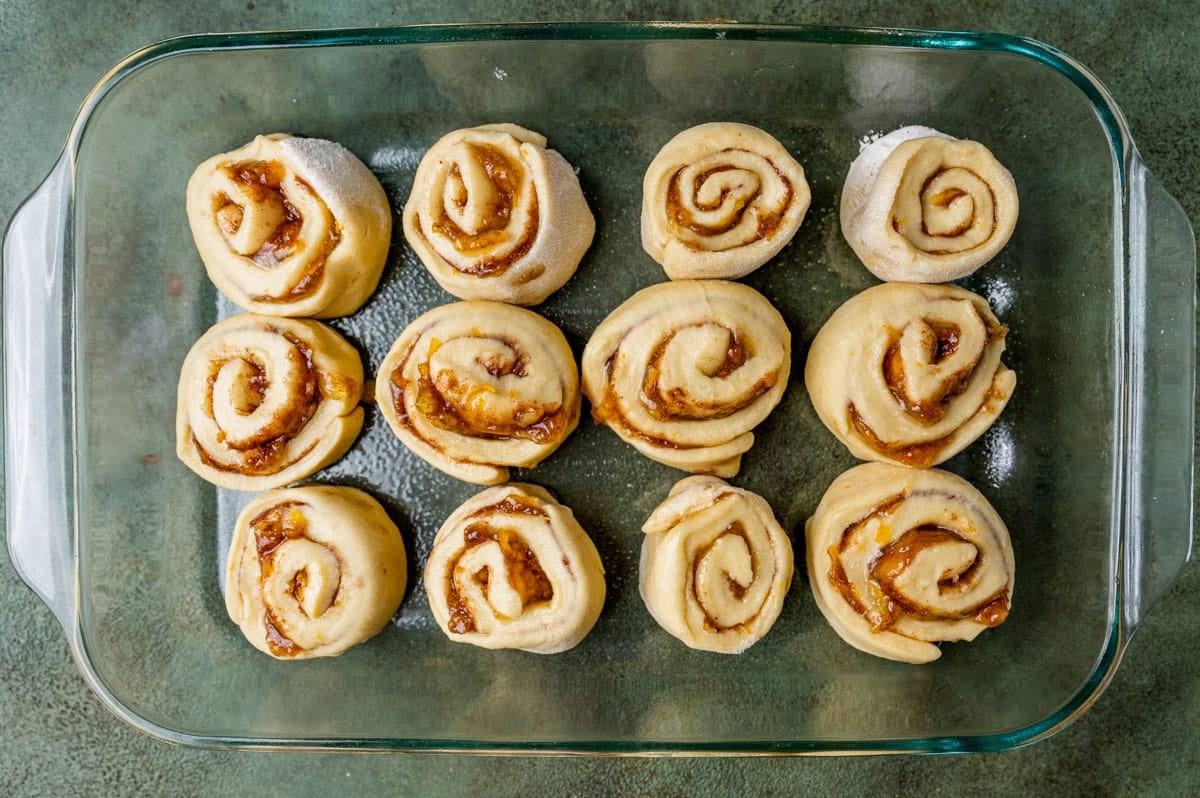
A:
x: 299, y: 227
x: 899, y: 560
x: 682, y: 371
x: 901, y: 555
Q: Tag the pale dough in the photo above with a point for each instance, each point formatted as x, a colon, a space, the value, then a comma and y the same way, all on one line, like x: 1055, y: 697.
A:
x: 901, y: 559
x: 719, y: 200
x: 716, y: 565
x: 475, y: 387
x: 264, y: 401
x: 313, y: 571
x: 495, y: 215
x: 909, y: 374
x: 512, y: 568
x: 919, y: 206
x: 290, y: 226
x: 683, y: 371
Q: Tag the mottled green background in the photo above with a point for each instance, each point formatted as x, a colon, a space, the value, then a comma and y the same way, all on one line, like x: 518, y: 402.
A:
x: 1142, y: 737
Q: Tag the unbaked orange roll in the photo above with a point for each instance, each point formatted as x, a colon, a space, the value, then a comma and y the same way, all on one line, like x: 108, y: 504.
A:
x: 719, y: 200
x: 921, y: 207
x: 683, y: 371
x: 512, y: 568
x: 493, y: 214
x: 716, y: 565
x: 900, y: 560
x: 909, y: 374
x: 290, y: 226
x: 473, y: 388
x: 264, y: 401
x: 313, y: 571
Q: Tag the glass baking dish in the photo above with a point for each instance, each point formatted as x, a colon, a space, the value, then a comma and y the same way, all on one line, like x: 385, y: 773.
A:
x: 1091, y: 465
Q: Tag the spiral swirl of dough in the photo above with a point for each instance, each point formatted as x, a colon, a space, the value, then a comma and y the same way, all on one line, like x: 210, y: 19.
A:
x: 313, y: 571
x: 474, y: 387
x: 900, y: 559
x: 719, y: 200
x: 922, y: 207
x: 909, y: 374
x: 493, y: 214
x: 290, y: 226
x: 264, y: 401
x: 715, y: 565
x: 512, y: 568
x: 683, y: 371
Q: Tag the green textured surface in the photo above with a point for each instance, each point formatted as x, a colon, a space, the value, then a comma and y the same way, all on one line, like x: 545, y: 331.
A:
x: 57, y: 739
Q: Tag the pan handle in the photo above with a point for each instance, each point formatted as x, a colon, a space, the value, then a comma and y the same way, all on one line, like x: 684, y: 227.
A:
x: 38, y: 419
x: 1160, y: 393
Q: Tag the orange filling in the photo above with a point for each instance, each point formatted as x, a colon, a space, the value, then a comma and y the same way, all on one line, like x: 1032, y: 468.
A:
x: 522, y: 569
x: 918, y: 455
x: 262, y: 183
x: 681, y: 218
x: 272, y: 528
x: 674, y: 404
x: 263, y: 453
x: 737, y: 589
x: 886, y: 604
x: 452, y: 406
x: 506, y: 176
x: 941, y: 344
x: 942, y: 199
